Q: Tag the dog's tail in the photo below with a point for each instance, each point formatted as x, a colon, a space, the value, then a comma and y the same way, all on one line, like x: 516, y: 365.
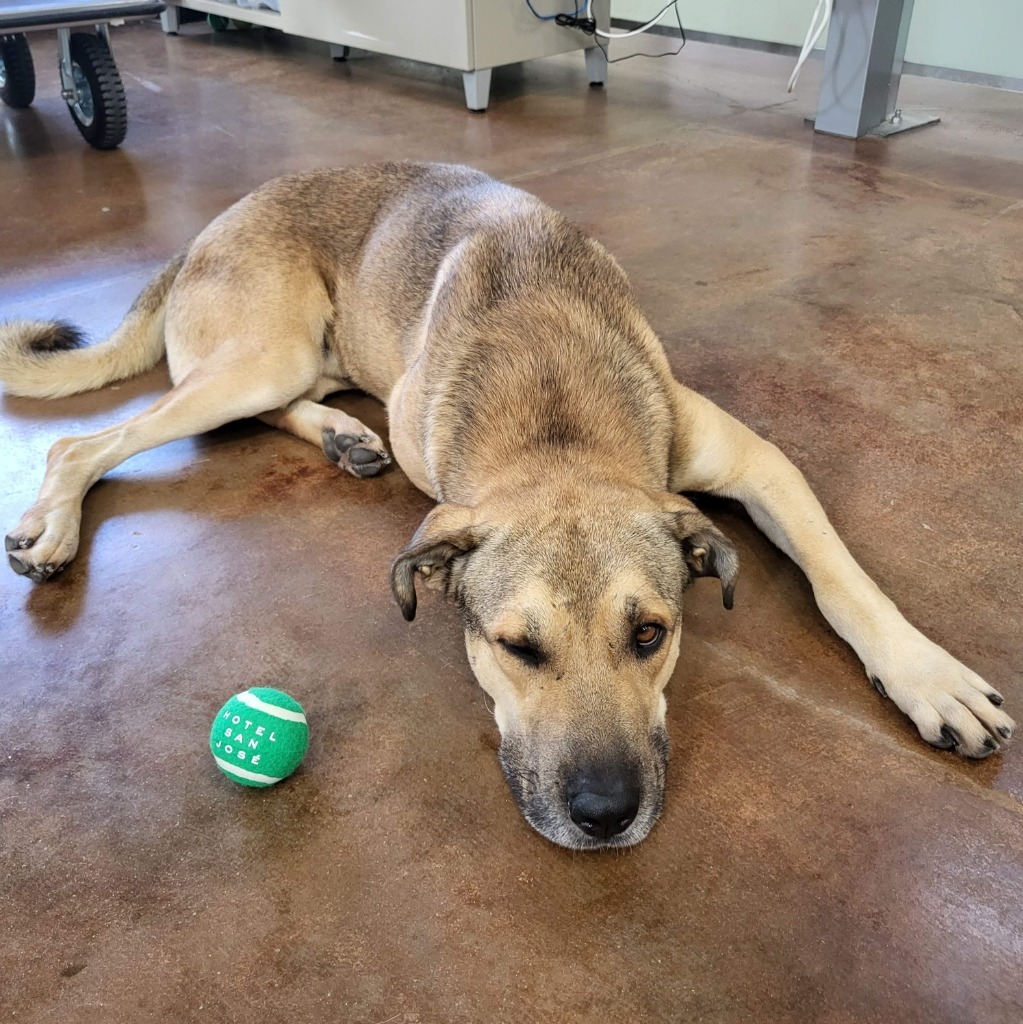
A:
x: 48, y: 360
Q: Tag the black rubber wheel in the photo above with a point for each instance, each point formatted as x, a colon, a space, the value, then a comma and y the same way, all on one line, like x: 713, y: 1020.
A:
x: 100, y: 108
x: 17, y: 72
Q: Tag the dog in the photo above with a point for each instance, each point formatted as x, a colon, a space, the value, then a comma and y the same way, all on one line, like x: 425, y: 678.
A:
x: 527, y: 394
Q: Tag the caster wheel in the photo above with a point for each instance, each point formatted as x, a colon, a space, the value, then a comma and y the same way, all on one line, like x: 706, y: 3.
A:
x: 99, y: 106
x: 17, y: 72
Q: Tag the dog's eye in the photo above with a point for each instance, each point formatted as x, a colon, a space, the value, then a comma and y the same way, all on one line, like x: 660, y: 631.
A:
x: 647, y: 638
x: 526, y: 653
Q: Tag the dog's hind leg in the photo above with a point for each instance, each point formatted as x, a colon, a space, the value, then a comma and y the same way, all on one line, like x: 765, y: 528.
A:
x: 348, y: 443
x: 950, y: 705
x: 216, y: 392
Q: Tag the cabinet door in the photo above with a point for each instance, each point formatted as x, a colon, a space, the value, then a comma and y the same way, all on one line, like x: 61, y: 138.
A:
x: 433, y: 31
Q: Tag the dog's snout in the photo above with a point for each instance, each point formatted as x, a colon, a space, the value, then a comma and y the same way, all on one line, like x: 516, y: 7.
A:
x: 604, y: 804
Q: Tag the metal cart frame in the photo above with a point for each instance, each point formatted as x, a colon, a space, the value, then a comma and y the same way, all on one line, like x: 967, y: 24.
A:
x: 90, y: 83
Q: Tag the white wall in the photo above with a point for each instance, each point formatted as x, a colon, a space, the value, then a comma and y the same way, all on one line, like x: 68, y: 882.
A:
x: 984, y: 36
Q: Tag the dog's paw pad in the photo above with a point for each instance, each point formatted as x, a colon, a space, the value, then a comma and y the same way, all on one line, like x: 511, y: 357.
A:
x: 359, y: 454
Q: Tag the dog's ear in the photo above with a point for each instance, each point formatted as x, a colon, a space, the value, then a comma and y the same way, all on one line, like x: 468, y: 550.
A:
x: 446, y: 534
x: 706, y: 550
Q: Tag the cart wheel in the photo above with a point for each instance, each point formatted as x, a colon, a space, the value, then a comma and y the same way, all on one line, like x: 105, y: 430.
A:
x: 99, y: 106
x: 17, y: 73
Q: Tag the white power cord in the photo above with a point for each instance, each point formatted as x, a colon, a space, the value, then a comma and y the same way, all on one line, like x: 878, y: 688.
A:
x: 813, y: 33
x: 634, y: 32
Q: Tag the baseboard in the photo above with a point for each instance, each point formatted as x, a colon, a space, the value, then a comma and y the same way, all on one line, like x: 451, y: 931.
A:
x: 787, y: 50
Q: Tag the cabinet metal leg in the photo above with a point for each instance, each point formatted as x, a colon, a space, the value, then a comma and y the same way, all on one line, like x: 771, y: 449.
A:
x: 170, y: 20
x: 596, y: 66
x: 338, y: 51
x: 477, y: 89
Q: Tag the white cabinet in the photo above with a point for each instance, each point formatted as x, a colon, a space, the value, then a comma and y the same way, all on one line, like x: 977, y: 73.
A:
x: 472, y: 36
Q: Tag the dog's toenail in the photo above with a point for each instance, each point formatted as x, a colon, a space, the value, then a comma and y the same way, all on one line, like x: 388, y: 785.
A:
x: 996, y: 699
x: 1005, y: 732
x: 18, y: 565
x: 879, y: 686
x: 950, y: 736
x: 990, y: 743
x: 10, y: 544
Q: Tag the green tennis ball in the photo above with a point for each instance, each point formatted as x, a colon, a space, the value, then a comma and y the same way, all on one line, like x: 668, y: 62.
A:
x: 259, y: 737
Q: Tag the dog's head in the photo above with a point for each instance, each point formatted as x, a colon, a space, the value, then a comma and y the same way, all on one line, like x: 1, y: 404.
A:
x: 572, y: 611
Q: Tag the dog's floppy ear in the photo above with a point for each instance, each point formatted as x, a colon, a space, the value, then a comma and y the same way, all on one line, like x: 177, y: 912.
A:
x: 446, y: 534
x: 707, y: 551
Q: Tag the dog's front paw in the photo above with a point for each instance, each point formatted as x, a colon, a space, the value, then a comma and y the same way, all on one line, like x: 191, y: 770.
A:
x: 42, y: 544
x: 951, y: 706
x: 361, y: 455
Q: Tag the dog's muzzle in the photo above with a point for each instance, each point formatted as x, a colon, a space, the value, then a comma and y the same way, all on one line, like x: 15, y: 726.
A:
x: 610, y: 802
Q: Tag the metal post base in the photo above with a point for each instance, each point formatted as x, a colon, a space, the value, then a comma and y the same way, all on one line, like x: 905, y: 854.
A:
x: 898, y: 122
x: 596, y: 66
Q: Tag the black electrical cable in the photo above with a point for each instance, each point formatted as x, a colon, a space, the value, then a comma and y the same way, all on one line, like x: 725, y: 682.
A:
x: 667, y: 53
x: 589, y: 27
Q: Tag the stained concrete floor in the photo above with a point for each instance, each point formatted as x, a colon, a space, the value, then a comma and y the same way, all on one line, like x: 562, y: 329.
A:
x: 860, y: 304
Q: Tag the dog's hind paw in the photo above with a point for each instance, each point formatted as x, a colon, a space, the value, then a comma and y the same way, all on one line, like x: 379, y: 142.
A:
x: 361, y: 455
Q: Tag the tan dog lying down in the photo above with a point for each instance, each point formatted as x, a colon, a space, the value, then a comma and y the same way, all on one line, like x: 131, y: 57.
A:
x: 528, y: 395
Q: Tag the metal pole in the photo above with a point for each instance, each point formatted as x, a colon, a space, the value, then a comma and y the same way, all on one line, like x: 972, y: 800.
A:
x: 862, y: 68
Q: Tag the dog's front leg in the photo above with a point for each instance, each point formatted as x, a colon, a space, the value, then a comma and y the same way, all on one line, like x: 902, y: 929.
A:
x: 950, y: 705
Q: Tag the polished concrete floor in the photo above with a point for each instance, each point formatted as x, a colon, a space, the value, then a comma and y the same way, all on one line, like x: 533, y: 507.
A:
x: 860, y: 304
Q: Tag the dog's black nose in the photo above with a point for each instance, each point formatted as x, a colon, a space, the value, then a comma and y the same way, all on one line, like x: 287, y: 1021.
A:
x: 605, y: 805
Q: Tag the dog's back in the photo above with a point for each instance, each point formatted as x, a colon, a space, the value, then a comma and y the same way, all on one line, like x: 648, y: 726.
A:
x: 525, y: 327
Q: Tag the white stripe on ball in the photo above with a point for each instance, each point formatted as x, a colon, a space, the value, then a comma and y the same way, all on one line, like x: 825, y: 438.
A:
x: 244, y: 772
x: 249, y: 699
